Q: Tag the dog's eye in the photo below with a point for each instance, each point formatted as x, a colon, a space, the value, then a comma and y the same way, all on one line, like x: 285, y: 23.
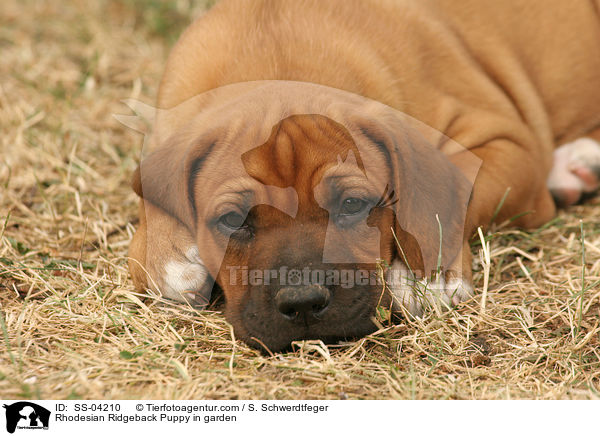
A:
x: 352, y: 210
x: 353, y: 206
x: 232, y: 220
x: 234, y: 225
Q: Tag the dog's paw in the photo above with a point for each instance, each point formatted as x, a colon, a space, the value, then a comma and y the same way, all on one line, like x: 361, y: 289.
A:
x: 576, y: 171
x: 185, y: 278
x: 418, y: 295
x: 164, y: 257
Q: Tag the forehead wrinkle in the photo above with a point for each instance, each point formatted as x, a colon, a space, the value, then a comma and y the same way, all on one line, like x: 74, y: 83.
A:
x: 373, y: 176
x: 253, y: 193
x: 326, y: 140
x: 284, y: 156
x: 291, y: 135
x: 341, y: 182
x: 240, y: 186
x: 237, y: 192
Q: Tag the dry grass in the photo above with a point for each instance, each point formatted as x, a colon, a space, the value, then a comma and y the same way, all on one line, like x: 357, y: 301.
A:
x: 65, y: 223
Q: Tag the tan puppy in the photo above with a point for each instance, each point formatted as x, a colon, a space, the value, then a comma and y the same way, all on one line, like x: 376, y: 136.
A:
x: 507, y: 80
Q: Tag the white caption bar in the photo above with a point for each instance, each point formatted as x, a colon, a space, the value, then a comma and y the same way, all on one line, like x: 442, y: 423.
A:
x: 90, y: 418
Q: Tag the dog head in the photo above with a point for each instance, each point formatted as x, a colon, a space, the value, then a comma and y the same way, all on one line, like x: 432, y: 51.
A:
x: 294, y: 193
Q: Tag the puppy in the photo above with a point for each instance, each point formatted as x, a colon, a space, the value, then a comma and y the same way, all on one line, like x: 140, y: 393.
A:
x: 313, y: 136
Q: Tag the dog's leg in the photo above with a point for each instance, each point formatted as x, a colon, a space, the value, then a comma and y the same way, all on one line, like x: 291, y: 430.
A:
x: 164, y: 257
x: 506, y: 167
x: 510, y: 185
x: 576, y: 170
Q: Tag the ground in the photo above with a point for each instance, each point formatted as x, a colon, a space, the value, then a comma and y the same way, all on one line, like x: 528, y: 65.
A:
x: 71, y: 325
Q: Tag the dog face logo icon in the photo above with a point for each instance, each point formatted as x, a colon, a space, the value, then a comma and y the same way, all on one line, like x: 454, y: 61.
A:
x: 26, y: 415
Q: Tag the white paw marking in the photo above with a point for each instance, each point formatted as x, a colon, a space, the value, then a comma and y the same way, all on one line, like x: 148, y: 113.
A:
x: 184, y: 279
x: 416, y: 295
x: 575, y: 170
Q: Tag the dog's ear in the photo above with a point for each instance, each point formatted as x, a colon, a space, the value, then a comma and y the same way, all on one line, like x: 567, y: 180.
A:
x: 166, y: 178
x: 430, y: 198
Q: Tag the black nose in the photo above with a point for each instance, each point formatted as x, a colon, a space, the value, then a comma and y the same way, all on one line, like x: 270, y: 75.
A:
x: 302, y: 303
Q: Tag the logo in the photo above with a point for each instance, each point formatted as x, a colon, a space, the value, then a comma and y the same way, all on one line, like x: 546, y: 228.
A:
x: 26, y: 415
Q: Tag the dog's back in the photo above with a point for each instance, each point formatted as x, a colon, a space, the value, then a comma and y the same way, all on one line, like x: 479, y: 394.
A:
x: 540, y: 57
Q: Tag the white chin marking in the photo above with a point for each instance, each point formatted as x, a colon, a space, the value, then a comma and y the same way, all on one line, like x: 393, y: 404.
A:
x: 184, y: 280
x: 416, y: 295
